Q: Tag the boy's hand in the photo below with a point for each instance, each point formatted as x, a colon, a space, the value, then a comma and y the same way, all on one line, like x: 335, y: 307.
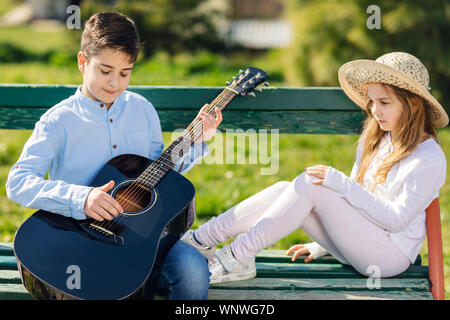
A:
x: 210, y: 123
x: 318, y: 171
x: 100, y: 206
x: 298, y: 250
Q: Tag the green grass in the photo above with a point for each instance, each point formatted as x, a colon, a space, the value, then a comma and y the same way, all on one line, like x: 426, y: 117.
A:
x: 50, y: 58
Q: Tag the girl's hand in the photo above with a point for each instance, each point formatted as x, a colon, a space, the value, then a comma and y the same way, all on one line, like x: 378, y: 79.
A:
x: 210, y: 123
x: 318, y: 171
x: 298, y: 250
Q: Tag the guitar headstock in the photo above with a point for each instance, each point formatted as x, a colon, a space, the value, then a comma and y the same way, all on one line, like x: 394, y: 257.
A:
x: 247, y: 80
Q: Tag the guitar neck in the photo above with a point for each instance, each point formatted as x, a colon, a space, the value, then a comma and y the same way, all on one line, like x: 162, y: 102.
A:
x: 167, y: 160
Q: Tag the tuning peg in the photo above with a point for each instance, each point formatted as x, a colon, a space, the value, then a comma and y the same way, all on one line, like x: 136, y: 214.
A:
x: 266, y: 83
x: 258, y: 89
x: 234, y: 78
x: 241, y: 71
x: 252, y: 94
x: 227, y: 83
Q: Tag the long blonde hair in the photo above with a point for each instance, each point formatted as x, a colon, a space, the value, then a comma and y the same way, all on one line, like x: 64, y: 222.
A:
x: 415, y: 120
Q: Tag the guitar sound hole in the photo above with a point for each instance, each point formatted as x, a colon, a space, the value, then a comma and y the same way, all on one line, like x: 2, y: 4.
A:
x: 134, y: 197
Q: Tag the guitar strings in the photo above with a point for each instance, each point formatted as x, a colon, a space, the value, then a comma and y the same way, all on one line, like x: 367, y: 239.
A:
x: 134, y: 191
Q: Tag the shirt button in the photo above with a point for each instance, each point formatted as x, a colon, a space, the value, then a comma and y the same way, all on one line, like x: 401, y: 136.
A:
x: 111, y: 120
x: 101, y: 105
x: 114, y: 146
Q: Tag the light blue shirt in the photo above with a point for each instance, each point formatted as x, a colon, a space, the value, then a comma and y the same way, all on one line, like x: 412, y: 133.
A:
x: 74, y: 139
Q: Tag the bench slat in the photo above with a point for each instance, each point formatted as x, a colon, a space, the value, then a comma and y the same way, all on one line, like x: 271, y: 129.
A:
x: 10, y: 276
x: 14, y: 292
x: 273, y: 255
x: 325, y: 284
x: 190, y: 97
x: 8, y: 263
x: 279, y: 256
x: 217, y: 294
x: 6, y: 249
x: 290, y: 110
x: 331, y: 270
x: 311, y: 122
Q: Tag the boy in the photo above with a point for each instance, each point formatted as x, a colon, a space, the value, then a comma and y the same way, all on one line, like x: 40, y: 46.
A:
x: 76, y: 137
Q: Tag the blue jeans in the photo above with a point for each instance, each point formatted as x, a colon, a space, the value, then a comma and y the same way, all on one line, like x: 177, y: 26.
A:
x: 184, y: 274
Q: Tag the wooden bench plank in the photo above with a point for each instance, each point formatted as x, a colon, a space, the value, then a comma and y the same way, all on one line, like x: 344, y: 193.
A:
x: 296, y: 284
x: 218, y: 294
x: 14, y: 292
x: 289, y: 110
x: 297, y: 122
x: 308, y: 122
x: 10, y: 276
x: 8, y: 263
x: 190, y: 97
x: 6, y: 249
x: 331, y: 270
x: 279, y: 256
x: 273, y: 255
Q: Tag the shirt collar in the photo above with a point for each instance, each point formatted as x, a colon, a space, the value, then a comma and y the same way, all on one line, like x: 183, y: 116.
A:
x: 99, y: 105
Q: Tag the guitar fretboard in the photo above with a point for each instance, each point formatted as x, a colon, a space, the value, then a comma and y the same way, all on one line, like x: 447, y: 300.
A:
x: 167, y: 160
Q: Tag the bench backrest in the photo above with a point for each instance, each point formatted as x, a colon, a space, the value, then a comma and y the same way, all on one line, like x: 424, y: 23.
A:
x: 291, y: 110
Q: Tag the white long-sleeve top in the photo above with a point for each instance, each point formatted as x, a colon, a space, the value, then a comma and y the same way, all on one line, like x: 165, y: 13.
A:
x: 398, y: 205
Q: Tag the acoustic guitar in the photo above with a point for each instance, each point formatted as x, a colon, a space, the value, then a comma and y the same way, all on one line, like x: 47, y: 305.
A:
x: 64, y: 258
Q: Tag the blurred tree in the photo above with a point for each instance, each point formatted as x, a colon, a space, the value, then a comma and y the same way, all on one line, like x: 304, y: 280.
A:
x: 169, y: 25
x: 328, y: 33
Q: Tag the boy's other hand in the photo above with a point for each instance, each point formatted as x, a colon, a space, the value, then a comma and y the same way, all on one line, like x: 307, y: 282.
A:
x: 100, y: 205
x: 297, y: 250
x: 210, y: 123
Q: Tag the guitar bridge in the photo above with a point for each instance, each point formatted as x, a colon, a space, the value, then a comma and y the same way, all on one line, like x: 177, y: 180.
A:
x: 101, y: 229
x: 108, y: 234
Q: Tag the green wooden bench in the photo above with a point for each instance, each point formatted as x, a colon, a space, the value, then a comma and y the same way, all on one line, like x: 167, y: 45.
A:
x: 277, y: 278
x: 290, y: 110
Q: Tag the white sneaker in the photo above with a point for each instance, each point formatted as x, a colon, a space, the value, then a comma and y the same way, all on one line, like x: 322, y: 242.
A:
x: 224, y: 267
x: 188, y: 237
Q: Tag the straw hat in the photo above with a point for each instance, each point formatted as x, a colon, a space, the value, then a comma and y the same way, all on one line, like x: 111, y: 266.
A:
x: 399, y: 69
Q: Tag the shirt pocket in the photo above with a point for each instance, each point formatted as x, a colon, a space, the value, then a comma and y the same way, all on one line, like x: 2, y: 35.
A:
x: 139, y: 143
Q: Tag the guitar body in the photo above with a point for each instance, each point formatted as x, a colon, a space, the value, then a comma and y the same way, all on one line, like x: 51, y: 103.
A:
x: 64, y: 258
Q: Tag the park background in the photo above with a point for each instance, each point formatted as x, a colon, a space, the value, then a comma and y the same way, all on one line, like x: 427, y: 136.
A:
x: 299, y: 43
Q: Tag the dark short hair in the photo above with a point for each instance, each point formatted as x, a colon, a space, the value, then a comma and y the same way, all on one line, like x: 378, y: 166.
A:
x: 110, y: 30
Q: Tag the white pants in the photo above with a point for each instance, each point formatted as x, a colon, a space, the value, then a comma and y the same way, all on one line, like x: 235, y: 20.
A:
x: 322, y: 214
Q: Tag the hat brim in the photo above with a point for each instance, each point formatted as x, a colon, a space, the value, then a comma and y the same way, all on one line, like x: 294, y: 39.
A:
x: 354, y: 77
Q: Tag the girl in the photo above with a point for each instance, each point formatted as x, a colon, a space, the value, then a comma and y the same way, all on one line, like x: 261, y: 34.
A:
x: 375, y: 217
